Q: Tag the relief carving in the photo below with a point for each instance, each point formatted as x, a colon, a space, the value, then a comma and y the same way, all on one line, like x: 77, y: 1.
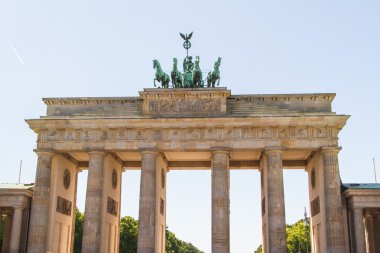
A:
x: 52, y: 136
x: 69, y: 136
x: 185, y: 105
x: 64, y: 206
x: 112, y: 206
x: 301, y: 133
x: 246, y: 133
x: 321, y: 133
x: 210, y: 133
x: 87, y: 135
x: 266, y: 133
x: 284, y: 133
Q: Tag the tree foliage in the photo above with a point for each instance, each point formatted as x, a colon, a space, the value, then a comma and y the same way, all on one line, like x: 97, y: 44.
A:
x: 174, y: 245
x: 79, y: 221
x: 128, y: 237
x: 297, y: 238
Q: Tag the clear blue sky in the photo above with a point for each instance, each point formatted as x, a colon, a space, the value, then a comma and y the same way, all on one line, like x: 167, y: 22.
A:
x: 106, y: 48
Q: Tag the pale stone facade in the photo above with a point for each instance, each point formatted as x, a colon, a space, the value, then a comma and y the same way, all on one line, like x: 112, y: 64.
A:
x: 174, y: 129
x: 15, y: 208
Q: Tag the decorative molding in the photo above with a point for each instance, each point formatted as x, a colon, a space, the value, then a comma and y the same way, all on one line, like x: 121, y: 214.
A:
x: 188, y: 134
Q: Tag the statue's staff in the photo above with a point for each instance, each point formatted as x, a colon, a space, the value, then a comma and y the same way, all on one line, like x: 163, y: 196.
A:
x: 187, y: 43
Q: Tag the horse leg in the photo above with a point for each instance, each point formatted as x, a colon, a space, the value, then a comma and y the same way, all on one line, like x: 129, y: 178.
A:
x: 154, y: 82
x: 218, y: 81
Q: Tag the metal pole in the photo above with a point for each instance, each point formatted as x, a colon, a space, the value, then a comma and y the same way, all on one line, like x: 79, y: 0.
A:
x: 374, y: 169
x: 19, y: 173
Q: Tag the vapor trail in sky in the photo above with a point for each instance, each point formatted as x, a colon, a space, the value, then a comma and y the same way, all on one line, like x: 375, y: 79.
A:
x: 14, y: 49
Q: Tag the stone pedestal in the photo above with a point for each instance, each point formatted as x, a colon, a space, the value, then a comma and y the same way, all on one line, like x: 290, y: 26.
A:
x: 335, y: 233
x: 16, y: 230
x: 360, y: 246
x: 147, y: 210
x: 38, y: 226
x: 275, y: 198
x: 93, y: 209
x: 220, y: 201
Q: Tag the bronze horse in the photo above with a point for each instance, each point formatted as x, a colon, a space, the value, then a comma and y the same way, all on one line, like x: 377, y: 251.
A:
x: 176, y: 75
x: 214, y: 76
x: 160, y: 76
x: 197, y: 74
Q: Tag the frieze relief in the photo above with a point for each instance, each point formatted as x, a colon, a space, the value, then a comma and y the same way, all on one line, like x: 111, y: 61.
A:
x: 184, y: 105
x: 188, y: 134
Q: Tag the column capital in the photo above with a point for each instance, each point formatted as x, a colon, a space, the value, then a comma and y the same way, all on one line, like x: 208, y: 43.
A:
x: 152, y: 151
x: 357, y: 209
x: 97, y: 152
x: 334, y: 149
x: 270, y: 150
x: 44, y: 152
x: 220, y: 150
x: 19, y: 207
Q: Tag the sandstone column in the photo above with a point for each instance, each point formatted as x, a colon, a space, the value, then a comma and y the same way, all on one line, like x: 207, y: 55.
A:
x: 74, y: 214
x: 7, y: 232
x: 333, y: 203
x: 369, y: 230
x: 220, y: 201
x: 376, y: 230
x: 16, y: 230
x: 93, y: 208
x: 276, y: 204
x: 147, y: 209
x: 40, y: 204
x: 359, y: 230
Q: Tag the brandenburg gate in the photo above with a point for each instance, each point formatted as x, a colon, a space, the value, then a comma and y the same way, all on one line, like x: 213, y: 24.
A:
x: 175, y: 129
x: 190, y: 126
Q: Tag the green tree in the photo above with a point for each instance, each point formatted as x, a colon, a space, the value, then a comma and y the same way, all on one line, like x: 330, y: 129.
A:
x: 79, y: 220
x: 174, y: 245
x: 128, y: 237
x: 297, y: 237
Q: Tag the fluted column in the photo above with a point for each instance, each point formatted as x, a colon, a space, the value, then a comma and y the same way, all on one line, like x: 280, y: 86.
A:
x: 38, y: 226
x: 369, y: 229
x: 333, y: 203
x: 276, y: 203
x: 376, y: 230
x: 93, y: 208
x: 220, y: 201
x: 7, y: 233
x: 16, y: 230
x: 359, y: 230
x: 74, y: 214
x: 147, y: 209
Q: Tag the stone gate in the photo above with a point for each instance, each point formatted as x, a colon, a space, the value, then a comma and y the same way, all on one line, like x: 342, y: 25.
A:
x: 174, y: 129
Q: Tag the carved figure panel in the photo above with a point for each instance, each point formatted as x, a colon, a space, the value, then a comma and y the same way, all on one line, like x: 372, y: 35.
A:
x: 184, y: 105
x: 112, y: 206
x: 315, y: 207
x: 64, y: 206
x: 188, y: 134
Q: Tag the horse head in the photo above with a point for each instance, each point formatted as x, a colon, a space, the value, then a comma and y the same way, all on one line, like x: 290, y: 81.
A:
x: 218, y: 61
x: 196, y: 61
x: 174, y: 61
